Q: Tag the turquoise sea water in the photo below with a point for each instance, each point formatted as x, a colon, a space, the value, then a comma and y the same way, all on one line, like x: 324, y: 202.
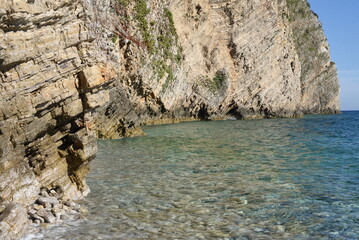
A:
x: 251, y: 179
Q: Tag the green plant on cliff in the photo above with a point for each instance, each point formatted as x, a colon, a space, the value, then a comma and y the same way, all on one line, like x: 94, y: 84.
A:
x: 172, y: 29
x: 167, y: 49
x: 218, y: 80
x: 215, y: 84
x: 168, y: 37
x: 300, y: 7
x: 114, y: 39
x: 160, y: 68
x: 170, y: 78
x: 141, y: 12
x: 165, y: 43
x: 161, y: 39
x: 124, y: 3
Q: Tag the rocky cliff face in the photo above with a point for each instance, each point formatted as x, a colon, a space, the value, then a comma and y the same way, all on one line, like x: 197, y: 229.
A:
x: 72, y: 71
x: 316, y: 67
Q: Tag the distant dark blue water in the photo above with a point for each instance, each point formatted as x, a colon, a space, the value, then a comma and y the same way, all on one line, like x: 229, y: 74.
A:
x: 251, y: 179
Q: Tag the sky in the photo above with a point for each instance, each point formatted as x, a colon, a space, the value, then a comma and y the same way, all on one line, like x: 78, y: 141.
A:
x: 340, y: 20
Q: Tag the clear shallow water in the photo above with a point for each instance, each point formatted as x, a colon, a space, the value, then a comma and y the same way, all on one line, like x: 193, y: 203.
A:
x: 252, y: 179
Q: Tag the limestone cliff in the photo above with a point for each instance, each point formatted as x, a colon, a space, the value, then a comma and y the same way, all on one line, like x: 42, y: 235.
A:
x: 72, y: 71
x: 316, y: 67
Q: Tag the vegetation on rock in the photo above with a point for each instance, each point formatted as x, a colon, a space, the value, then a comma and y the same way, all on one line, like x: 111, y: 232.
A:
x: 141, y: 12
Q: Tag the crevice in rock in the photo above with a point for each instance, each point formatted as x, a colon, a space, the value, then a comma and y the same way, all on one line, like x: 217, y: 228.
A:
x: 266, y: 112
x: 48, y: 106
x: 203, y: 112
x: 205, y: 51
x: 81, y: 80
x: 233, y: 52
x: 246, y: 67
x: 161, y: 105
x: 13, y: 141
x: 77, y: 161
x: 35, y: 160
x: 198, y: 9
x: 229, y: 13
x: 234, y: 111
x: 122, y: 128
x: 127, y: 54
x: 292, y: 65
x: 8, y: 67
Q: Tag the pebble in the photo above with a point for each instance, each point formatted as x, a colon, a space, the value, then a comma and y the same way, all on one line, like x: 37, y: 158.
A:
x: 59, y: 206
x: 53, y: 193
x: 32, y: 211
x: 41, y: 212
x: 49, y: 218
x: 49, y: 208
x: 58, y: 212
x: 37, y: 221
x: 44, y: 193
x: 322, y: 214
x: 35, y: 217
x: 258, y: 229
x: 83, y: 211
x: 37, y: 206
x: 281, y: 229
x: 44, y: 200
x: 77, y: 207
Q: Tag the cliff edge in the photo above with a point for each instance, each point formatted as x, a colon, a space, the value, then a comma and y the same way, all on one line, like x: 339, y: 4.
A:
x: 72, y: 71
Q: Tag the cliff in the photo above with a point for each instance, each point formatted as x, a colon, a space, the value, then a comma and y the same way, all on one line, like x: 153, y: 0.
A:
x: 72, y: 71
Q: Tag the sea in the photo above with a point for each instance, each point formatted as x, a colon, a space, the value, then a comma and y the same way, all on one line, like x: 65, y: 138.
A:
x: 239, y: 180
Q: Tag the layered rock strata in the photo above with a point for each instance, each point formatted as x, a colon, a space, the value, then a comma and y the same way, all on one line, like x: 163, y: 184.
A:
x: 72, y: 71
x: 316, y: 67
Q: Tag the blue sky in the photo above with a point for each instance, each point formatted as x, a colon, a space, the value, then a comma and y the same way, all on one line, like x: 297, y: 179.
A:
x: 340, y: 20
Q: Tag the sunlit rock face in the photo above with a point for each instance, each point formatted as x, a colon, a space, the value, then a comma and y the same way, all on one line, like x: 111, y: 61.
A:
x: 72, y: 71
x: 318, y: 78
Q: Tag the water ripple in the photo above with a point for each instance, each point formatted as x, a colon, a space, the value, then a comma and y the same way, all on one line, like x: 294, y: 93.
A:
x: 257, y: 179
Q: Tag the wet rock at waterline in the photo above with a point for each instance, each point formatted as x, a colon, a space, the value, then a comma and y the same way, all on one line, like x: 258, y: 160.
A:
x: 50, y: 208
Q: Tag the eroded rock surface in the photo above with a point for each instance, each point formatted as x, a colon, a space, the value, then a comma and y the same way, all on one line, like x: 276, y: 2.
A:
x: 72, y: 71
